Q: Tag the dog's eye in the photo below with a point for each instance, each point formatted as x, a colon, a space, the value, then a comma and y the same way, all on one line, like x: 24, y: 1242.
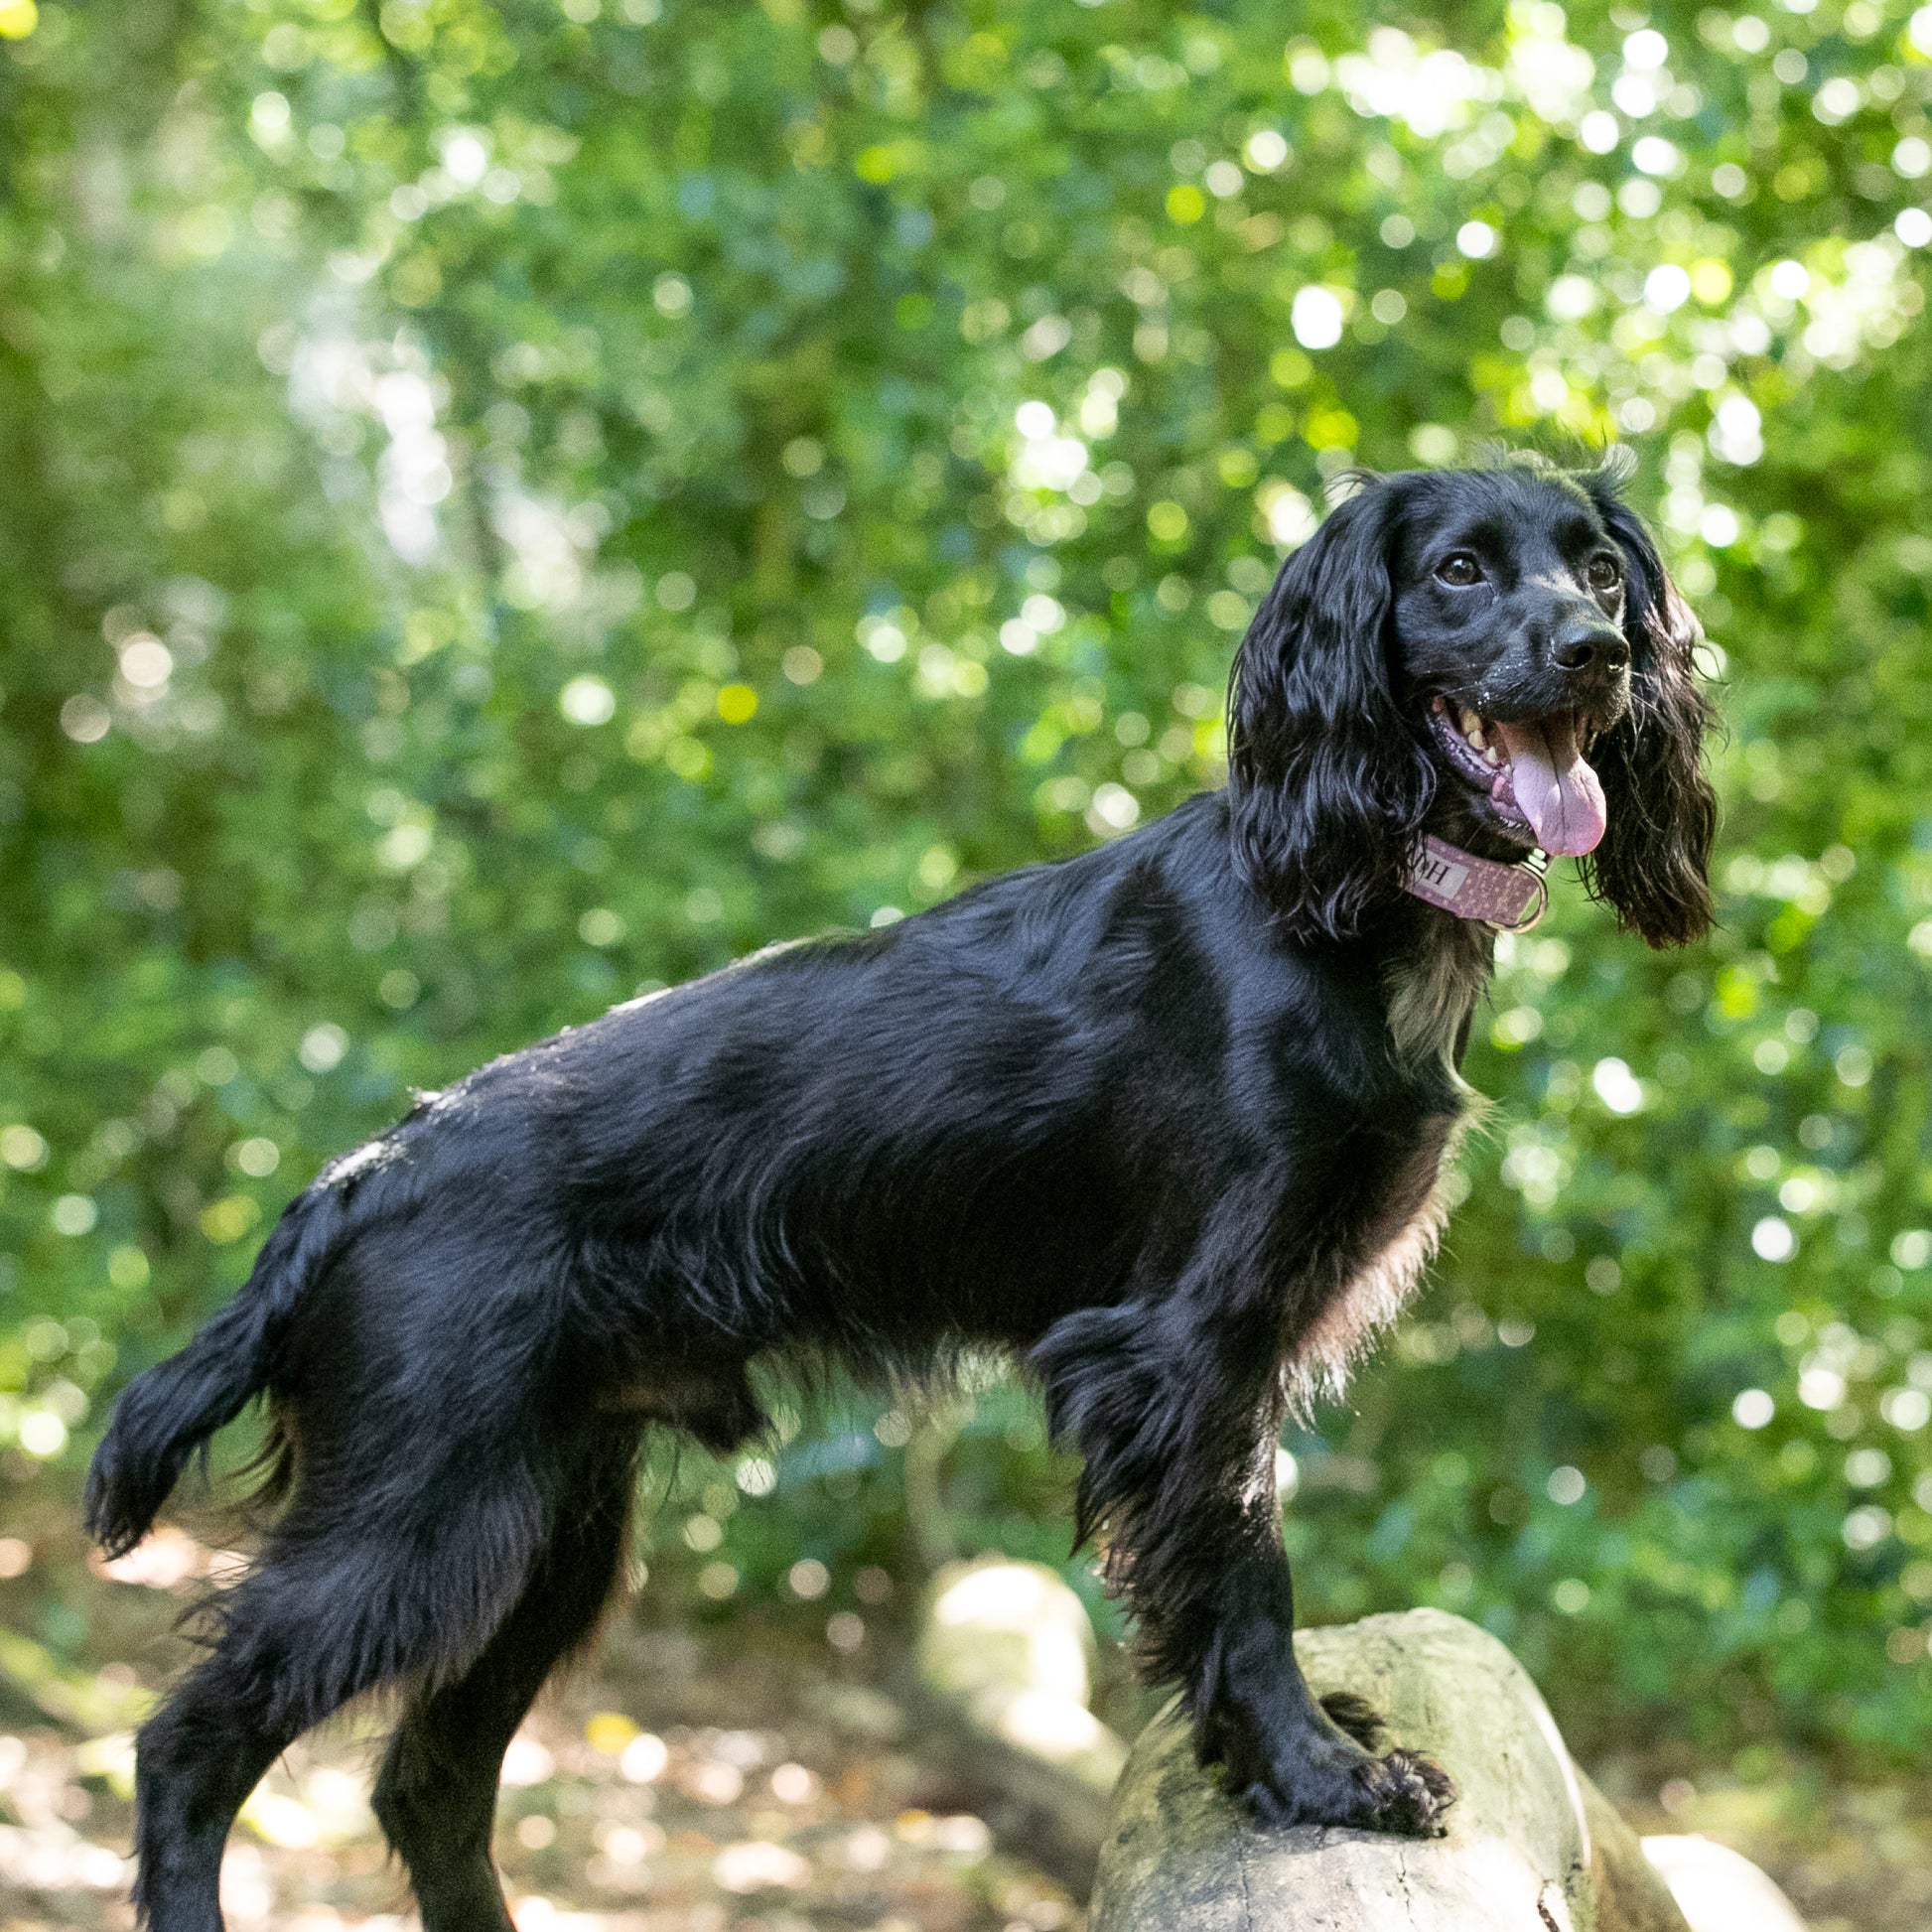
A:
x: 1459, y: 570
x: 1604, y: 573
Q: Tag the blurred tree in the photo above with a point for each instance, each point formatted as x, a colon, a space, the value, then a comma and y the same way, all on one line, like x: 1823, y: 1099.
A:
x: 509, y: 503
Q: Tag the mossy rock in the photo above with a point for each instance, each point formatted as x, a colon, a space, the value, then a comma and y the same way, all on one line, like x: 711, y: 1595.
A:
x: 1531, y: 1845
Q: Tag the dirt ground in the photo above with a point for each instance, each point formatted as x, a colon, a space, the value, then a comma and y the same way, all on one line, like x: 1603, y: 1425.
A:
x: 1851, y: 1859
x: 736, y: 1780
x: 669, y: 1791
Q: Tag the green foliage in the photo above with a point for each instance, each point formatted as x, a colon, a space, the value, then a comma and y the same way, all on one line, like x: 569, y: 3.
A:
x: 504, y: 505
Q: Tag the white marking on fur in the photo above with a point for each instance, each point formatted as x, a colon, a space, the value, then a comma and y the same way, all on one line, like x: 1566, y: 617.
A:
x: 344, y: 1166
x: 1372, y: 1297
x: 1432, y: 992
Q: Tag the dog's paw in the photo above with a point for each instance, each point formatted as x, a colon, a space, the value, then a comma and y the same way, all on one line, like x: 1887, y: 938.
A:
x: 1330, y: 1781
x: 1292, y: 1763
x: 1407, y: 1795
x: 1356, y: 1717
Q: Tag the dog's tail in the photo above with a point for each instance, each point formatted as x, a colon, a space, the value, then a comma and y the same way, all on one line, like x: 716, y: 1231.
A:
x: 170, y: 1411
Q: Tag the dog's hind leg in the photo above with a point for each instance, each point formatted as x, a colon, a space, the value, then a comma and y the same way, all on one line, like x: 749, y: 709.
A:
x: 436, y: 1796
x: 336, y: 1607
x: 289, y: 1653
x: 199, y: 1758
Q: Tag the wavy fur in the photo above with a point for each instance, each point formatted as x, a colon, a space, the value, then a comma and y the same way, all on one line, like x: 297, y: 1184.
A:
x: 1165, y: 1123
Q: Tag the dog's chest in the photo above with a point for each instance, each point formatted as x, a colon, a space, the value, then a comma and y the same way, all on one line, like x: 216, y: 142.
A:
x: 1432, y: 990
x: 1370, y: 1278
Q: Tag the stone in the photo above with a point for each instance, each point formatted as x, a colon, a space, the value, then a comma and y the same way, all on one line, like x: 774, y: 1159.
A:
x: 999, y: 1694
x: 1011, y: 1644
x: 1718, y: 1889
x: 1531, y: 1845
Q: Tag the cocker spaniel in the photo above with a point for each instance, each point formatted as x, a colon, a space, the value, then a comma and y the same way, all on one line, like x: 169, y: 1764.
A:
x: 1166, y: 1121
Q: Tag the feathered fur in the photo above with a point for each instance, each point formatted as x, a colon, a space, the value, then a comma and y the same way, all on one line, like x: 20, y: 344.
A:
x: 1167, y: 1122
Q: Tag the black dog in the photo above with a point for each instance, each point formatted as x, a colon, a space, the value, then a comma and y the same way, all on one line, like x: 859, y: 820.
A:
x: 1166, y: 1120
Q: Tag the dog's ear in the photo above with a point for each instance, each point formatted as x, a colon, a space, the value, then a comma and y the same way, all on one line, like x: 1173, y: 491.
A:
x: 1652, y: 867
x: 1327, y: 785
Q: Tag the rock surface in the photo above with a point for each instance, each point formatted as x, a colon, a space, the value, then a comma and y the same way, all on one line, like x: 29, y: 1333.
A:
x: 1718, y: 1889
x: 1532, y: 1845
x: 1011, y: 1643
x: 1004, y: 1671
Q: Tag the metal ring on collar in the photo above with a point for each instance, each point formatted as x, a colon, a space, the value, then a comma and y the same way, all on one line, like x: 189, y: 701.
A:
x: 1542, y: 904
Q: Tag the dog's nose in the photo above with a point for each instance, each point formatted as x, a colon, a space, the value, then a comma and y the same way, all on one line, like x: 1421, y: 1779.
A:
x: 1590, y: 644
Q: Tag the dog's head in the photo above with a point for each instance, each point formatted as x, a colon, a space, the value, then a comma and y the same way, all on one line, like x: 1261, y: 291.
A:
x: 1497, y: 656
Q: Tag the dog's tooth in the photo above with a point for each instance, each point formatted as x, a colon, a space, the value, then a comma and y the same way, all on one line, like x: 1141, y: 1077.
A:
x: 1471, y: 724
x: 1477, y: 739
x: 1493, y: 759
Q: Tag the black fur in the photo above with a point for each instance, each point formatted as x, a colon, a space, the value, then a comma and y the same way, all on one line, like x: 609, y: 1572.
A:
x: 1140, y: 1117
x: 1329, y: 787
x: 1663, y: 815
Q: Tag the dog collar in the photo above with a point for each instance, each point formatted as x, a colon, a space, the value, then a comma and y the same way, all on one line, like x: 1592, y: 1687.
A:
x: 1477, y: 888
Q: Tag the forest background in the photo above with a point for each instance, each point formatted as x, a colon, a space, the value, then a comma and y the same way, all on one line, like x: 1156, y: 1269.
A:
x: 506, y: 506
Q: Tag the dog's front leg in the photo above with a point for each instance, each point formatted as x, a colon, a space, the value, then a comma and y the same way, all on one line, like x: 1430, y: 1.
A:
x: 1175, y: 1404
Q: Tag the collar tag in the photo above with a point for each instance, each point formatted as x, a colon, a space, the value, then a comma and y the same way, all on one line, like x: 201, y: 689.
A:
x: 1477, y: 888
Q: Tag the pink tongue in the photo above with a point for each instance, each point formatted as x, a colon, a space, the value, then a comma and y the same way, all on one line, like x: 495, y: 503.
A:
x: 1559, y: 795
